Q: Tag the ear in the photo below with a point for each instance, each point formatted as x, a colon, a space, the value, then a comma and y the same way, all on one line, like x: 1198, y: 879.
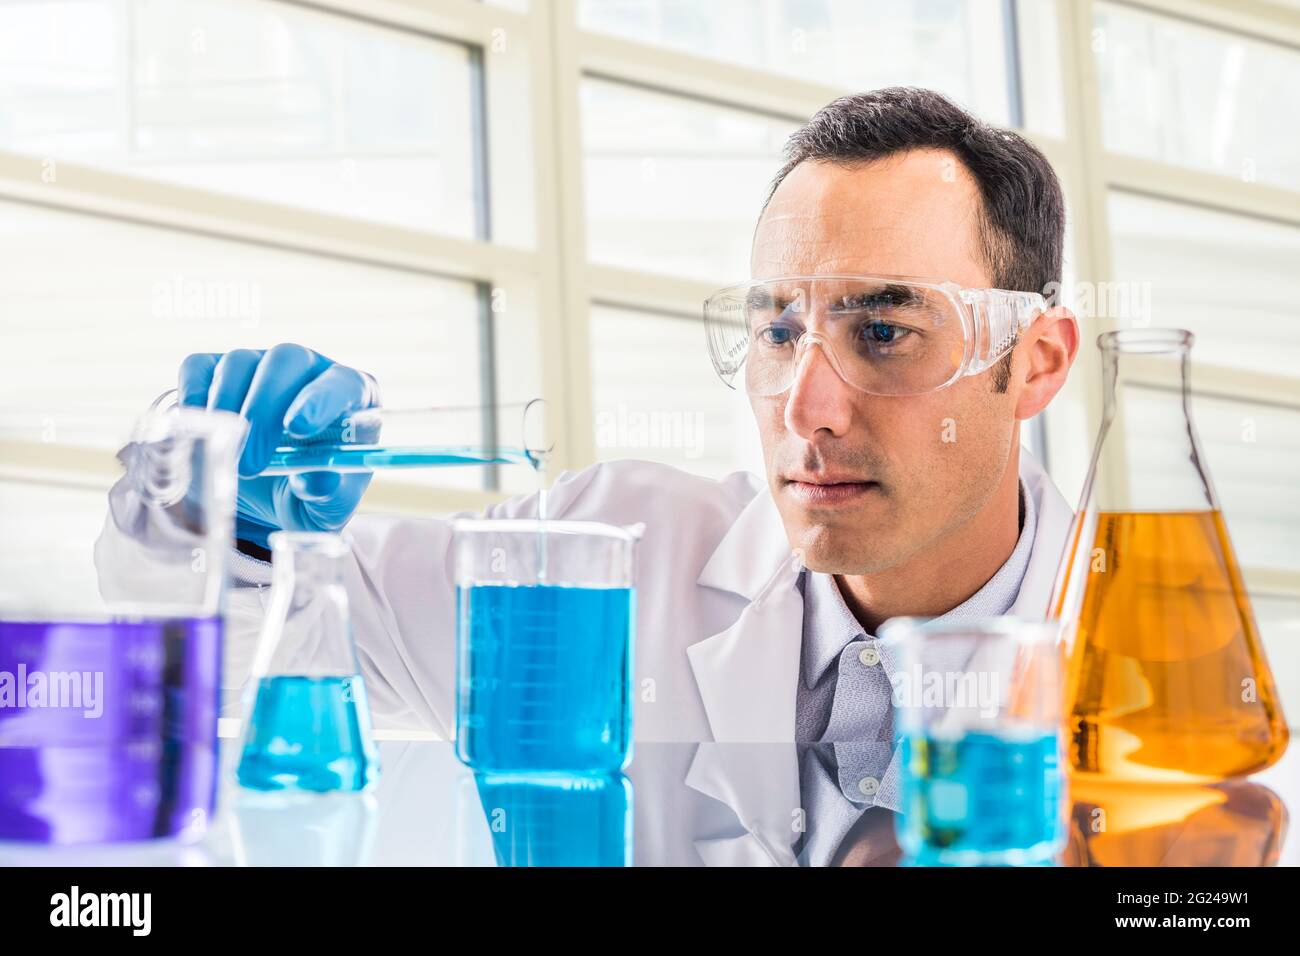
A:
x: 1048, y: 352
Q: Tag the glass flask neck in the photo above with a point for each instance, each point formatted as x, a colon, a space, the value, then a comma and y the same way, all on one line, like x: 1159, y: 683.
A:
x: 1148, y: 457
x: 307, y: 630
x: 305, y: 563
x: 1136, y: 347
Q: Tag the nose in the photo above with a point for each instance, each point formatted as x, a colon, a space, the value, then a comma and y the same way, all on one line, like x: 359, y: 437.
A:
x: 818, y: 398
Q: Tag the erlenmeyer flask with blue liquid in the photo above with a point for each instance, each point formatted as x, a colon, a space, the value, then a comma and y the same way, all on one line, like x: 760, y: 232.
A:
x: 307, y: 721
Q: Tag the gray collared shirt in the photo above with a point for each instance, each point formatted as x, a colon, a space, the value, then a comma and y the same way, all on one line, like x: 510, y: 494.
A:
x: 843, y: 706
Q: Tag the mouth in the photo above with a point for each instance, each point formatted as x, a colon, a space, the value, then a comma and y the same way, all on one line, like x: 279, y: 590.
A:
x: 820, y: 492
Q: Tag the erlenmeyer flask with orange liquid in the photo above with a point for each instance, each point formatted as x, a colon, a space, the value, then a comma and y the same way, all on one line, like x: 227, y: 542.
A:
x: 1167, y: 681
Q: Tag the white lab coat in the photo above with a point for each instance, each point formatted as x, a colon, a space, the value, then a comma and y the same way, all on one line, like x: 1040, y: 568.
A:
x: 719, y: 619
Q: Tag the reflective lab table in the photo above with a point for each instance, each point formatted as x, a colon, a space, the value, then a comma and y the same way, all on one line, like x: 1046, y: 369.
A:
x: 678, y: 804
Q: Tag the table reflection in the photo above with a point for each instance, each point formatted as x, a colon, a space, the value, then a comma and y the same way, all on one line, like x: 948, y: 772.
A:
x: 677, y: 804
x: 554, y: 820
x: 1233, y: 823
x: 285, y: 828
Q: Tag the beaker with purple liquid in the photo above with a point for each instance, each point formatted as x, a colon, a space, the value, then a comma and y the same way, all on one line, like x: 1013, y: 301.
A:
x: 112, y: 569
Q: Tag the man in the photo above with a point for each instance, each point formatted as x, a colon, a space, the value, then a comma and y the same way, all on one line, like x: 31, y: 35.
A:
x: 889, y: 411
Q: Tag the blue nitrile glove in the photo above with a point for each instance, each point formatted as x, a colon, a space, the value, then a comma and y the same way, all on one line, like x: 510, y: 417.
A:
x: 285, y: 389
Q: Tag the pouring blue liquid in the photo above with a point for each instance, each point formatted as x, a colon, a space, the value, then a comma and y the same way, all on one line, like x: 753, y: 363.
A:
x: 351, y: 458
x: 414, y: 438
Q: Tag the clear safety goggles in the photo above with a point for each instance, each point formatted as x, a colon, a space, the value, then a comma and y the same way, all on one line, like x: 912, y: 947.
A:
x: 885, y: 335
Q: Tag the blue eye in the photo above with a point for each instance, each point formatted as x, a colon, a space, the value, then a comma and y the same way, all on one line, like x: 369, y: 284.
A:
x: 881, y: 333
x: 777, y: 335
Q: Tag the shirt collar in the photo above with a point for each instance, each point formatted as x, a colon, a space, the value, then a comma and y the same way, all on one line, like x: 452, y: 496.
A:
x: 829, y: 625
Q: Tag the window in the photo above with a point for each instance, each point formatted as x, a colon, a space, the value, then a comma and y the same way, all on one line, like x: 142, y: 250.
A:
x: 674, y: 185
x: 1228, y: 278
x: 1184, y: 94
x: 261, y: 100
x: 953, y: 45
x: 145, y: 297
x: 198, y: 175
x: 655, y: 396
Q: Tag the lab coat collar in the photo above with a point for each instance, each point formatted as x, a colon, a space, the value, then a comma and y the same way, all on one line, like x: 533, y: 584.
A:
x: 753, y: 547
x: 746, y: 673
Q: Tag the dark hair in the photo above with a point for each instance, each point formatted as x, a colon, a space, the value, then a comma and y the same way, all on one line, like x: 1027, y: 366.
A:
x: 1022, y: 222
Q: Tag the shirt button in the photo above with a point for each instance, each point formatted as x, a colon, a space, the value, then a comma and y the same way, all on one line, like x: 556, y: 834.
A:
x: 869, y: 656
x: 868, y: 786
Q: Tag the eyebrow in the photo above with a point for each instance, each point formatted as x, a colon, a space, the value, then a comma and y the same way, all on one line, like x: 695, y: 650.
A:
x: 889, y: 294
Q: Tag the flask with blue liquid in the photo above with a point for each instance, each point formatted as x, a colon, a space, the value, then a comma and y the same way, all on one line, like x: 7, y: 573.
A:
x: 978, y: 714
x: 545, y: 613
x: 307, y: 721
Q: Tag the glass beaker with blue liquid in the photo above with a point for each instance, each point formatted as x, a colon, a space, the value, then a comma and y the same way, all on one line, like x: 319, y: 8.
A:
x: 978, y: 710
x: 307, y: 721
x: 545, y: 618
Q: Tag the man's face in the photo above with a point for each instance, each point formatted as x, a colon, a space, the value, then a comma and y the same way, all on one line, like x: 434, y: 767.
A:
x: 864, y: 482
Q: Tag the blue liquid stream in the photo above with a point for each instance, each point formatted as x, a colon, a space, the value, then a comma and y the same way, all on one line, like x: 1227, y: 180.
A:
x: 544, y: 677
x: 981, y: 795
x: 309, y: 733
